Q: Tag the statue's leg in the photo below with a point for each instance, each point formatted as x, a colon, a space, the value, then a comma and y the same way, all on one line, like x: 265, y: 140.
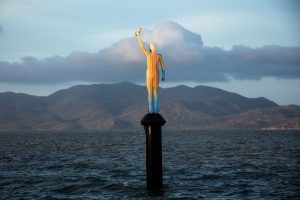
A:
x: 155, y: 92
x: 150, y: 97
x: 150, y: 101
x: 155, y: 98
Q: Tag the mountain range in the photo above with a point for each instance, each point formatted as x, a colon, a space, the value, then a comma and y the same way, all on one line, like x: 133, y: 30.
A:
x: 121, y: 106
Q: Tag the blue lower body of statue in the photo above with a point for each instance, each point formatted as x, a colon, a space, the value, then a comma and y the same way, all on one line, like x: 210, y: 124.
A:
x: 156, y: 104
x: 153, y: 104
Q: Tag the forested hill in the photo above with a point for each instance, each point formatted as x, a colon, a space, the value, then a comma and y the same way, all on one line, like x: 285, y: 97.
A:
x: 122, y: 105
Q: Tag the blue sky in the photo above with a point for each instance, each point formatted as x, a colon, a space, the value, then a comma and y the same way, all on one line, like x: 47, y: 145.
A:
x: 38, y: 36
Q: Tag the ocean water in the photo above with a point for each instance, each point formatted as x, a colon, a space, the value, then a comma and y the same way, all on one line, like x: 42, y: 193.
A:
x: 111, y: 165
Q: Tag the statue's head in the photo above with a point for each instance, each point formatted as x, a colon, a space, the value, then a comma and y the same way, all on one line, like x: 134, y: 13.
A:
x: 152, y: 47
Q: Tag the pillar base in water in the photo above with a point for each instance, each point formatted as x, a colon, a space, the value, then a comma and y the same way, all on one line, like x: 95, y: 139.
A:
x: 152, y: 123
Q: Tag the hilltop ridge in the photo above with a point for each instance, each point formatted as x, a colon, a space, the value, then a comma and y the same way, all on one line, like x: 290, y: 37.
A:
x: 122, y: 105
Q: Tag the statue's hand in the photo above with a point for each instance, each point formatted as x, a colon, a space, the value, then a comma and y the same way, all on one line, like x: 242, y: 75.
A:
x: 138, y: 31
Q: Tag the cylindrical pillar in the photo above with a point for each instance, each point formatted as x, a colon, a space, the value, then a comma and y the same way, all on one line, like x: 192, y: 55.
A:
x: 152, y: 123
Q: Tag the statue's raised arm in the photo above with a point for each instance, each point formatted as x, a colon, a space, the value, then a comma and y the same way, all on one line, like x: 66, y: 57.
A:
x: 137, y: 34
x: 152, y: 74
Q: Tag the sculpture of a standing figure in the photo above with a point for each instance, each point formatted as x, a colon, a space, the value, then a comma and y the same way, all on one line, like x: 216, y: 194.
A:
x: 152, y: 74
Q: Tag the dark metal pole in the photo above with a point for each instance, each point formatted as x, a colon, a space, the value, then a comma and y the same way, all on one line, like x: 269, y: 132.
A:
x: 152, y: 123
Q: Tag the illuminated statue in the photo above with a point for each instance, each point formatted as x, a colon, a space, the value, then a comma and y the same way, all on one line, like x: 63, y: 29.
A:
x: 152, y: 74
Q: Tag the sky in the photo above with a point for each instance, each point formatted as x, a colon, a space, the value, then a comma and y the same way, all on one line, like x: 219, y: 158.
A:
x: 250, y: 47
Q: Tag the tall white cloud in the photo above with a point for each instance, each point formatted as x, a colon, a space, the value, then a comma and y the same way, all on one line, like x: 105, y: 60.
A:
x: 186, y: 59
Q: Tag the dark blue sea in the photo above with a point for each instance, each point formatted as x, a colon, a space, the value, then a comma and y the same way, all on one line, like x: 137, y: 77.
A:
x: 111, y: 165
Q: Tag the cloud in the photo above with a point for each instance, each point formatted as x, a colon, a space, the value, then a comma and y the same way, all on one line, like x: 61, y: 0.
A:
x: 185, y: 55
x: 1, y: 29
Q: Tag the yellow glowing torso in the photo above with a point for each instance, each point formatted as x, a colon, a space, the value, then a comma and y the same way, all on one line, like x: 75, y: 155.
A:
x: 153, y: 59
